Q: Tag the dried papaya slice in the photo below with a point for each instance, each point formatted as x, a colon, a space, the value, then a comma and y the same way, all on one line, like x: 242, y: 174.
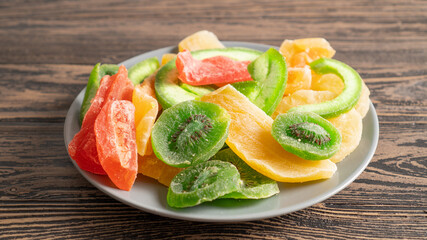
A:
x: 213, y: 70
x: 116, y: 143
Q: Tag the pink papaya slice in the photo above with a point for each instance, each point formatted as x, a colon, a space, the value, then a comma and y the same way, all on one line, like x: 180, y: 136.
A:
x: 82, y: 147
x: 116, y: 142
x: 218, y: 70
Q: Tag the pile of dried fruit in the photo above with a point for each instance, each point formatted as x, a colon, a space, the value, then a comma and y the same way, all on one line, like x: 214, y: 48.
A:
x: 214, y: 122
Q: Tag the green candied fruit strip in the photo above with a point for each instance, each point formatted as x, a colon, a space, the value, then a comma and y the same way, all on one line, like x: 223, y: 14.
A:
x: 306, y: 135
x: 190, y: 132
x: 348, y: 97
x: 92, y: 86
x: 140, y: 71
x: 269, y: 74
x: 199, y: 91
x: 203, y: 182
x: 254, y: 184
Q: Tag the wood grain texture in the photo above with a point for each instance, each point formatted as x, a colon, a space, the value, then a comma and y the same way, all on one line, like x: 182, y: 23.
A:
x: 48, y: 48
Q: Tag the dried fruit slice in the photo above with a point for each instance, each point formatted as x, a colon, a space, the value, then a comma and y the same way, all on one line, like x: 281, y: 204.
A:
x: 255, y: 185
x: 300, y: 52
x: 200, y: 40
x: 82, y: 148
x: 147, y: 87
x: 146, y: 110
x: 250, y: 138
x: 168, y: 57
x: 346, y: 100
x: 143, y: 69
x: 298, y: 79
x: 327, y: 82
x: 168, y: 90
x: 350, y: 126
x: 302, y: 97
x: 189, y: 133
x: 270, y: 76
x: 332, y: 83
x: 151, y: 166
x: 98, y: 72
x: 362, y: 106
x: 214, y: 70
x: 115, y: 142
x: 203, y: 182
x: 306, y: 135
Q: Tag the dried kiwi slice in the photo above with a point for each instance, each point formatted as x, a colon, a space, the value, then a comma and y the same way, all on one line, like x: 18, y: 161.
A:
x: 190, y: 132
x: 255, y: 185
x: 306, y: 135
x: 203, y: 182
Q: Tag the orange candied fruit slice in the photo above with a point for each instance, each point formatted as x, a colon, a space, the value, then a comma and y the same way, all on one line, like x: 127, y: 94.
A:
x: 146, y: 110
x: 300, y: 52
x: 250, y: 138
x: 298, y: 78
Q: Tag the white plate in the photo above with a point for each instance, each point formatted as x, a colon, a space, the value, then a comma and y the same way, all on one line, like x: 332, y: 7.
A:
x: 150, y: 196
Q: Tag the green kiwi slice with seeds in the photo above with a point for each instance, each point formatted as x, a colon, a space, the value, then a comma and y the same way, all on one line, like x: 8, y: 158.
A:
x: 203, y: 182
x: 254, y: 184
x: 190, y: 132
x: 306, y: 135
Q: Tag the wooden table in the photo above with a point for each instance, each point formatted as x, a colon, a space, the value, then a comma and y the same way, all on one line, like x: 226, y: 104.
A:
x: 48, y: 48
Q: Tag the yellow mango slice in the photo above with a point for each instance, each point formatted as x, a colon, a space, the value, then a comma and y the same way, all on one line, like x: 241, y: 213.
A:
x: 146, y: 110
x: 200, y: 40
x: 167, y: 57
x: 298, y: 78
x: 151, y: 166
x: 250, y: 138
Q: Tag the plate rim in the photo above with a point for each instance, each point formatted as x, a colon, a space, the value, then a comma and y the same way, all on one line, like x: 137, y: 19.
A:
x: 248, y: 217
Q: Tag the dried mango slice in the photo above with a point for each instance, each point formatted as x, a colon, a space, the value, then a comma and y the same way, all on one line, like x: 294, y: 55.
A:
x: 250, y: 138
x: 200, y: 40
x: 151, y: 166
x: 146, y: 110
